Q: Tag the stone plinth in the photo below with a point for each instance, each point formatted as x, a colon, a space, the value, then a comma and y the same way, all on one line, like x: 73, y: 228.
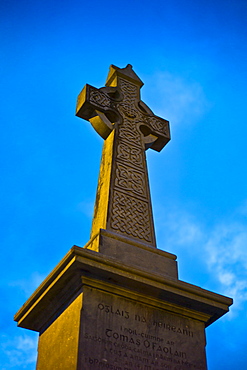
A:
x: 101, y: 309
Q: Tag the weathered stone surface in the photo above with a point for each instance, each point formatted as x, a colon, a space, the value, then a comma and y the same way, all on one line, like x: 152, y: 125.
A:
x: 91, y: 305
x: 58, y: 344
x: 124, y: 334
x: 132, y: 253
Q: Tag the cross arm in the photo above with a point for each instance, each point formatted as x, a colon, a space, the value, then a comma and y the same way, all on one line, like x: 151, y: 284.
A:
x: 155, y: 130
x: 95, y: 106
x: 89, y: 100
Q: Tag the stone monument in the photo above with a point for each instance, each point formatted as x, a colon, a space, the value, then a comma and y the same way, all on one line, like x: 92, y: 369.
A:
x: 117, y: 303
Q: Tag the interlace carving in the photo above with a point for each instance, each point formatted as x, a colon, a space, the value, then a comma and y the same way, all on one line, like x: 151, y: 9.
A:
x: 136, y: 221
x: 129, y: 132
x: 130, y: 180
x: 130, y: 216
x: 130, y: 154
x: 99, y: 98
x: 127, y: 106
x: 157, y: 124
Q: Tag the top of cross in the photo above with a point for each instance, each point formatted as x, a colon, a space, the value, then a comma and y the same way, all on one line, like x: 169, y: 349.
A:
x: 120, y: 98
x: 126, y: 73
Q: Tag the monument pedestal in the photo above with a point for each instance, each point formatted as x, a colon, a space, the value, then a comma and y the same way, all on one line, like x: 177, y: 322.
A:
x: 117, y: 304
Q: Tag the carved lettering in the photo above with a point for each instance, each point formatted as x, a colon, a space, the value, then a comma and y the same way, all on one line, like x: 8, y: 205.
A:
x: 183, y: 331
x: 115, y: 311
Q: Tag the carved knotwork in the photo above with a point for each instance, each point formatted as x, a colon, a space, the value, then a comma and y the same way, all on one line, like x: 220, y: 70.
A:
x: 99, y: 98
x: 131, y: 216
x: 132, y: 155
x: 129, y: 179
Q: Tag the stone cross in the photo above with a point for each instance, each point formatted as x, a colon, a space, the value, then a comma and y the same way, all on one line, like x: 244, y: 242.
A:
x: 129, y: 127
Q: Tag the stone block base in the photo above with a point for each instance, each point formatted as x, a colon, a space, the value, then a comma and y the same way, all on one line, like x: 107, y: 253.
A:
x: 93, y: 312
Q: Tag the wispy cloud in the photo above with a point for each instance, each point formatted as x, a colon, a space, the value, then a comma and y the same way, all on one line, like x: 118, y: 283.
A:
x: 19, y: 351
x: 28, y: 285
x: 183, y: 101
x: 183, y: 228
x: 227, y: 259
x: 221, y: 248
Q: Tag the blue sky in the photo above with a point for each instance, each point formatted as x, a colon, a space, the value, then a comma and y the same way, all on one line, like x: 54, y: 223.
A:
x: 192, y: 59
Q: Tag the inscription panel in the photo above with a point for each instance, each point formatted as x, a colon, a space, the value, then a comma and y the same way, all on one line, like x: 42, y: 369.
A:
x: 121, y: 334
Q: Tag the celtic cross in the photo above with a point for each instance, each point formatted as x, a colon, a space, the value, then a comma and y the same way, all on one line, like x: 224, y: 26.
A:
x: 129, y: 127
